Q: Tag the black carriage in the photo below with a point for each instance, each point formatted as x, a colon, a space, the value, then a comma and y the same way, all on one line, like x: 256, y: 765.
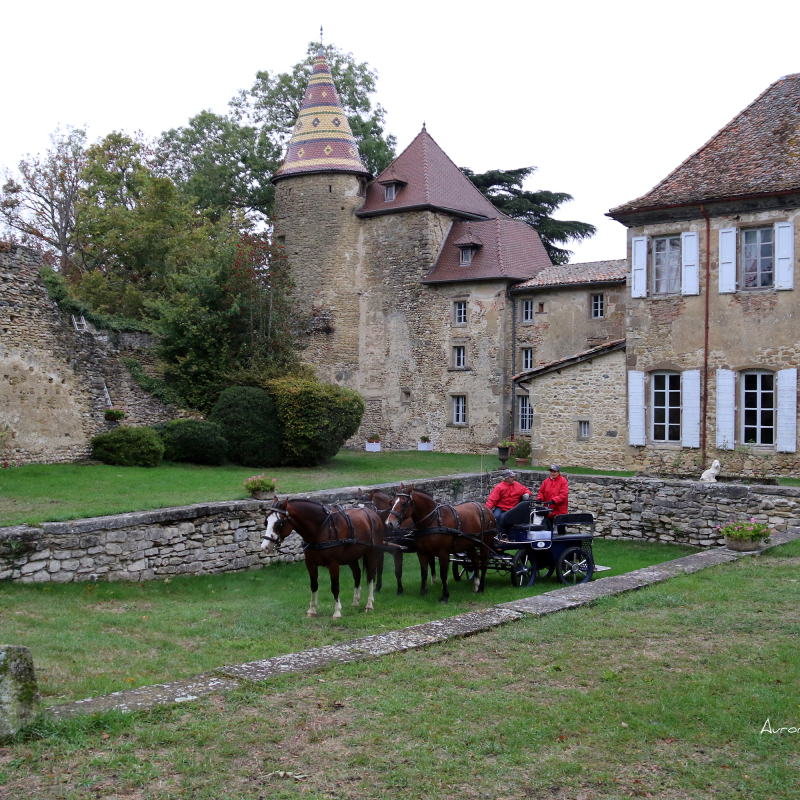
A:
x: 532, y: 548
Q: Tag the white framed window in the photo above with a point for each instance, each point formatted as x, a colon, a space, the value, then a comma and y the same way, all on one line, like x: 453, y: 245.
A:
x: 666, y: 265
x: 459, y: 409
x: 527, y: 358
x: 389, y: 192
x: 758, y: 258
x: 527, y: 310
x: 665, y: 395
x: 758, y: 407
x: 459, y: 356
x: 524, y: 413
x: 598, y: 306
x: 583, y: 429
x: 466, y: 255
x: 460, y: 312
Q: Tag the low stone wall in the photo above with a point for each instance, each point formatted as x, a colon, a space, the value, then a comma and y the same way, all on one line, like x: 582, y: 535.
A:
x: 226, y: 537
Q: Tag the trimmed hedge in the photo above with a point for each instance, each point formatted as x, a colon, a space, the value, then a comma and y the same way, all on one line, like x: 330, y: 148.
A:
x: 129, y: 447
x: 193, y: 441
x: 317, y: 418
x: 249, y: 423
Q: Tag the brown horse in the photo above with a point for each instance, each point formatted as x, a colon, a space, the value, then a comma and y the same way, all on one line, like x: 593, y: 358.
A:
x: 442, y: 530
x: 381, y: 502
x: 332, y: 537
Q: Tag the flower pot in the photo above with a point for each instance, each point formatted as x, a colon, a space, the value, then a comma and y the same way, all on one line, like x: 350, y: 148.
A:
x: 263, y: 495
x: 373, y: 447
x: 521, y: 462
x: 742, y: 545
x: 424, y: 445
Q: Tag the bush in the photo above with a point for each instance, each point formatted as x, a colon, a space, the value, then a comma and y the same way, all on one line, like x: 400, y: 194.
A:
x: 194, y: 441
x: 317, y: 418
x: 249, y: 423
x: 522, y: 448
x: 129, y: 447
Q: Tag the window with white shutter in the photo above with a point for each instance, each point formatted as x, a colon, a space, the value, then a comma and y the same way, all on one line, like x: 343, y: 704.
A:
x: 784, y: 256
x: 726, y: 409
x: 727, y: 261
x: 786, y: 435
x: 690, y: 419
x: 690, y: 263
x: 636, y: 424
x: 639, y: 266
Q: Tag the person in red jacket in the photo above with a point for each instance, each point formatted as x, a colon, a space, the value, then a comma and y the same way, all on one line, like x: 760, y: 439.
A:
x: 555, y: 489
x: 505, y: 496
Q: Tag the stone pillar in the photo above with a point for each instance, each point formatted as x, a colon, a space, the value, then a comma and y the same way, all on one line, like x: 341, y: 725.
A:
x: 19, y: 691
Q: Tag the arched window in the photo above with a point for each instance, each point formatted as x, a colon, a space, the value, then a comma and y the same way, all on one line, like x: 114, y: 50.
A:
x: 758, y: 407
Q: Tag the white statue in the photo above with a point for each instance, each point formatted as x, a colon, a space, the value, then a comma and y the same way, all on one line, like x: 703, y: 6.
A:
x: 710, y: 475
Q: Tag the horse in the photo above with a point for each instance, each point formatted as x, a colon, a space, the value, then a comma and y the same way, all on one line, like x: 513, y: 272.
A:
x: 441, y: 530
x: 332, y: 536
x: 381, y: 502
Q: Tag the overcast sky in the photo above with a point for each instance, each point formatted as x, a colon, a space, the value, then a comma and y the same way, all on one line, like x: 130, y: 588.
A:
x: 604, y: 98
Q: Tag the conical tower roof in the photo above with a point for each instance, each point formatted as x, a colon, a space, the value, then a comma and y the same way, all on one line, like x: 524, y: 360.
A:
x: 322, y: 140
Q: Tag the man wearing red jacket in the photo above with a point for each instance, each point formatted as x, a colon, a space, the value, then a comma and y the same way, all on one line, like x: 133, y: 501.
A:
x: 555, y: 489
x: 505, y: 496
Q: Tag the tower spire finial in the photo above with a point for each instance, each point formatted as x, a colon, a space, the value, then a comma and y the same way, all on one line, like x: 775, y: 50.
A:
x: 321, y: 51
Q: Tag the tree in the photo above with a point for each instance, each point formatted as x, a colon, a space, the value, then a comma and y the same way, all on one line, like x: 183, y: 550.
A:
x: 503, y: 188
x: 41, y: 204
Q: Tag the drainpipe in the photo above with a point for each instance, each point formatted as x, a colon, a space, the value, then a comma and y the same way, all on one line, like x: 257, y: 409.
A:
x: 705, y: 345
x: 513, y: 305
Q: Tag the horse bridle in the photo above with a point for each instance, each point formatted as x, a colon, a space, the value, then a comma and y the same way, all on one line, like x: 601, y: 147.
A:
x: 274, y: 536
x: 402, y: 514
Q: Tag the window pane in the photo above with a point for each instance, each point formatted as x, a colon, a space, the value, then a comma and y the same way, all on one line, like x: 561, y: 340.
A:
x: 660, y: 381
x: 659, y: 433
x: 750, y: 417
x: 674, y: 433
x: 659, y: 414
x: 767, y: 381
x: 675, y: 416
x: 767, y: 419
x: 766, y: 436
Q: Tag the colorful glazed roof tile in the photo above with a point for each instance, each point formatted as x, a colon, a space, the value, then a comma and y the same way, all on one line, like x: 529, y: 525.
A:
x: 587, y: 272
x: 322, y: 140
x: 757, y: 153
x: 511, y: 251
x: 431, y: 181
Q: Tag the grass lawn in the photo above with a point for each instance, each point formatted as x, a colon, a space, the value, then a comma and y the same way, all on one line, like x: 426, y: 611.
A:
x: 662, y: 692
x: 97, y: 638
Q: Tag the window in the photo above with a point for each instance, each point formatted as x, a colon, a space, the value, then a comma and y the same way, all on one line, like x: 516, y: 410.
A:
x: 459, y: 356
x: 460, y: 312
x: 758, y: 408
x: 527, y: 310
x: 466, y: 255
x: 525, y: 413
x: 405, y: 396
x: 757, y: 258
x: 666, y: 265
x: 459, y: 409
x: 583, y: 429
x: 527, y: 358
x: 666, y: 392
x: 389, y: 192
x: 598, y: 306
x: 541, y: 308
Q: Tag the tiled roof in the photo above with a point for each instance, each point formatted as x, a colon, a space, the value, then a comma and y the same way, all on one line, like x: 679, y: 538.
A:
x: 588, y: 272
x: 511, y: 250
x: 758, y: 153
x: 322, y: 140
x: 432, y: 181
x: 577, y: 358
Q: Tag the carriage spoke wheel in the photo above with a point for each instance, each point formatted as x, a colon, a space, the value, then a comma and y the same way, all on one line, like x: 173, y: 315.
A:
x: 460, y: 569
x: 575, y: 566
x: 523, y: 568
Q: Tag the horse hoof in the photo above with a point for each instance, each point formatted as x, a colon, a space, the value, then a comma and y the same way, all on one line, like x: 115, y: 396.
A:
x: 337, y: 615
x: 369, y: 608
x: 311, y: 614
x: 444, y: 600
x: 355, y: 602
x: 399, y: 590
x: 423, y: 592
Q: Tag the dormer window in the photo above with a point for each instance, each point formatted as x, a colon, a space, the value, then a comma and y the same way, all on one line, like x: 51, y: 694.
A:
x: 466, y: 255
x: 389, y: 192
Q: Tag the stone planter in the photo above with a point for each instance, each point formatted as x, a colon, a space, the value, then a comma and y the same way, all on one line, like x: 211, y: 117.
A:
x: 521, y: 462
x: 263, y: 495
x: 424, y: 445
x: 742, y: 545
x: 503, y: 453
x: 373, y: 447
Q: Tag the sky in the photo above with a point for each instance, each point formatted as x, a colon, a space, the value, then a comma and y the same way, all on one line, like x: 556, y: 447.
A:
x: 605, y: 99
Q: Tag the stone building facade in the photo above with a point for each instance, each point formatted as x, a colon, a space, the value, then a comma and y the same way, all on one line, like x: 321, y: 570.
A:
x: 53, y: 379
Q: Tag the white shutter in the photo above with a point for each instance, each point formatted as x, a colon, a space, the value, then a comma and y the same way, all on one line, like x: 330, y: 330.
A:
x: 636, y: 428
x: 690, y: 263
x: 726, y: 409
x: 784, y: 256
x: 690, y: 408
x: 727, y: 260
x: 786, y: 439
x: 639, y: 266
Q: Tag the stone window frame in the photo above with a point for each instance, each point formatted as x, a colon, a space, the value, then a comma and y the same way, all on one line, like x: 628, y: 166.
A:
x: 461, y: 341
x: 597, y: 305
x: 526, y: 358
x: 583, y: 430
x: 524, y: 413
x: 526, y: 311
x: 459, y: 356
x: 452, y: 399
x: 454, y: 319
x: 405, y: 396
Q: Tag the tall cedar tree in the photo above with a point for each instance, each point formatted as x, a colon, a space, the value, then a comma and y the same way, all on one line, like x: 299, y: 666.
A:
x: 503, y: 189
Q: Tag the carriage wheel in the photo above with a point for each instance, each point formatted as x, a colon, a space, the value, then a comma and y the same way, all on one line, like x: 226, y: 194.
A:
x: 523, y: 568
x: 460, y: 569
x: 575, y: 566
x: 546, y: 572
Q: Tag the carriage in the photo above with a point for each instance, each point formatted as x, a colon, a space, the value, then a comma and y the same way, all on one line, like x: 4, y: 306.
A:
x: 531, y: 548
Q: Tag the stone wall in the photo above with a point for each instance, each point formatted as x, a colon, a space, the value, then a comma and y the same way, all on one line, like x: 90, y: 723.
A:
x: 226, y: 537
x: 51, y: 377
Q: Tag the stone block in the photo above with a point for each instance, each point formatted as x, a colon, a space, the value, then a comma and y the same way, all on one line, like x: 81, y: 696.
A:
x: 54, y: 566
x: 19, y: 690
x: 32, y: 566
x: 39, y: 555
x: 62, y: 577
x: 116, y: 536
x: 137, y: 566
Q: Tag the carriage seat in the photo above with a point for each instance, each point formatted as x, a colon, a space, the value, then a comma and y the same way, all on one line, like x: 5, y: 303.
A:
x: 572, y: 519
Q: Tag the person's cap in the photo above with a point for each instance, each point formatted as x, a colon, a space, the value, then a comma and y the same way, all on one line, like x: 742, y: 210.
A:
x: 508, y: 473
x: 555, y: 468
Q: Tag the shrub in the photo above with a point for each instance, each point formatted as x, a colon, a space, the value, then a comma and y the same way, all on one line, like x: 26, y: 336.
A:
x: 194, y: 441
x: 249, y: 423
x: 129, y: 447
x: 317, y: 418
x: 522, y: 448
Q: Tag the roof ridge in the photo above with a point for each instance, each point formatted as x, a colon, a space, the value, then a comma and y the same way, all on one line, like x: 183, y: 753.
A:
x: 426, y: 178
x: 499, y: 246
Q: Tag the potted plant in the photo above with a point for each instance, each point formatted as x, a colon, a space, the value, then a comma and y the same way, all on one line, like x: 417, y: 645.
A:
x: 114, y: 414
x: 261, y: 487
x: 503, y: 450
x: 522, y: 452
x: 744, y: 536
x: 424, y: 443
x: 373, y: 444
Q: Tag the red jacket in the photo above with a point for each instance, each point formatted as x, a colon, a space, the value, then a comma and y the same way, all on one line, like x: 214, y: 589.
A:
x: 556, y: 490
x: 505, y: 497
